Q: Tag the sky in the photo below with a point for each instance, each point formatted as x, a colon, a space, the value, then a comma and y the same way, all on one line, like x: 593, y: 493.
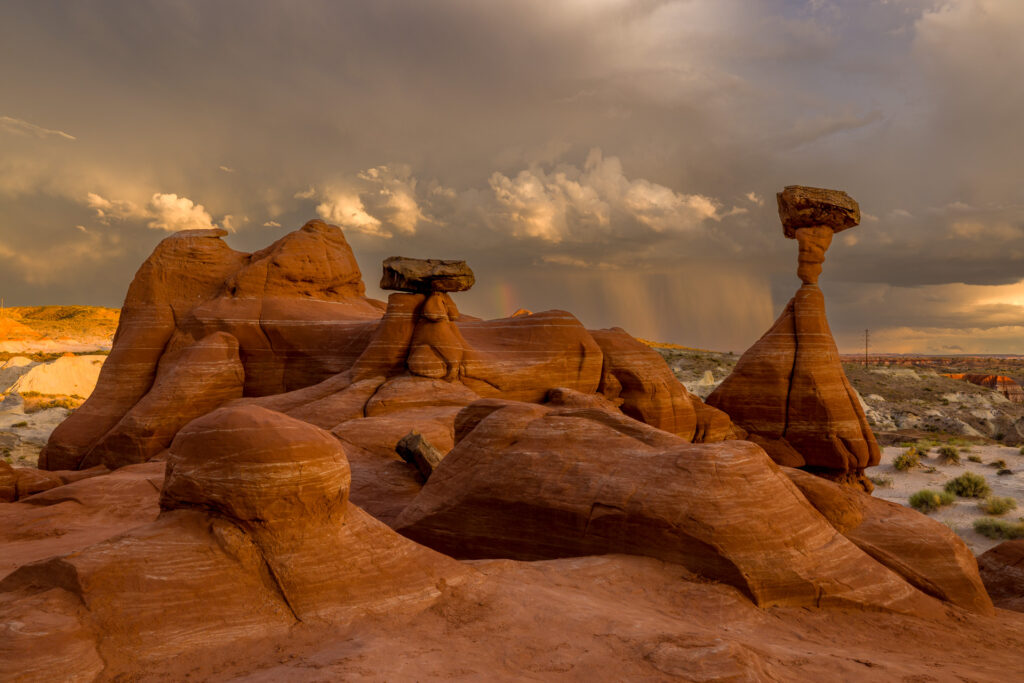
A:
x: 614, y: 158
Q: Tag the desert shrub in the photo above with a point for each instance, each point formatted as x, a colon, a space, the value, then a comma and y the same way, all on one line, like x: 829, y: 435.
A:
x: 1003, y: 472
x: 1022, y: 450
x: 927, y: 500
x: 996, y: 505
x: 907, y: 459
x: 882, y: 482
x: 968, y: 485
x: 974, y: 458
x: 998, y: 464
x: 949, y: 455
x: 998, y: 528
x: 20, y: 424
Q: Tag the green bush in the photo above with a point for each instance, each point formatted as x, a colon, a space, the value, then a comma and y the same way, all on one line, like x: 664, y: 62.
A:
x: 949, y: 455
x: 927, y: 500
x: 995, y: 505
x: 907, y: 459
x: 968, y: 485
x: 974, y: 458
x: 997, y: 528
x: 881, y: 482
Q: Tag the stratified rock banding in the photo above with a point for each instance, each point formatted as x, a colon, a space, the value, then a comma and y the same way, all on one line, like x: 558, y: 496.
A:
x: 1000, y: 383
x: 203, y: 324
x: 789, y: 390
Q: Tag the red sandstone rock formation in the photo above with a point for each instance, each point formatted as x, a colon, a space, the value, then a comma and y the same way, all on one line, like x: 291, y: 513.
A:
x: 17, y: 483
x: 255, y: 535
x: 296, y: 309
x: 1002, y: 570
x: 553, y: 442
x: 927, y: 553
x: 531, y: 482
x: 189, y: 383
x: 307, y: 339
x: 789, y: 390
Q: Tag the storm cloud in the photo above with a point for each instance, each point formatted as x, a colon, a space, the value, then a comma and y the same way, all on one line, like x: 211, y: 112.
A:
x: 614, y: 158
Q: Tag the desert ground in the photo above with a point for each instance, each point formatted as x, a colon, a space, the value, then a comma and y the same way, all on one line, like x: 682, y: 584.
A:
x: 898, y: 486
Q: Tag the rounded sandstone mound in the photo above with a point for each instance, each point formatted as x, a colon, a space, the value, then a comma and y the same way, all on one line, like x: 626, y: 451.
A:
x: 258, y: 466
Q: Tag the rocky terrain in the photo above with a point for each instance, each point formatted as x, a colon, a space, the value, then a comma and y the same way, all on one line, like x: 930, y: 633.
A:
x: 50, y: 364
x: 53, y: 330
x: 278, y: 478
x: 901, y: 402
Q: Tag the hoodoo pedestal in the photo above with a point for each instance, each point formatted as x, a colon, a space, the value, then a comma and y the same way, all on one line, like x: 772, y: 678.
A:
x: 789, y: 390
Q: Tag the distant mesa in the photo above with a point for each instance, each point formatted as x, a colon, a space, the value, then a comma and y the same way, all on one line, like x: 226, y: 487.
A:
x: 1004, y: 385
x: 56, y: 329
x: 14, y: 330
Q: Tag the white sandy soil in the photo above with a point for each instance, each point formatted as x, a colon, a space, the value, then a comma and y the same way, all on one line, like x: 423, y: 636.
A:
x: 960, y: 515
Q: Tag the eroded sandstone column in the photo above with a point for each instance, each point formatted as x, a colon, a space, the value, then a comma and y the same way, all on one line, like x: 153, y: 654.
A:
x: 789, y: 390
x: 425, y: 338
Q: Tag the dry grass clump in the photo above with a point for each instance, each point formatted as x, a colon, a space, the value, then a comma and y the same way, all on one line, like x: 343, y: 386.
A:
x: 998, y: 528
x: 906, y: 460
x: 927, y: 500
x: 968, y: 485
x: 996, y: 505
x: 949, y: 455
x: 974, y: 458
x: 1004, y: 471
x: 34, y: 402
x: 998, y: 464
x: 882, y: 482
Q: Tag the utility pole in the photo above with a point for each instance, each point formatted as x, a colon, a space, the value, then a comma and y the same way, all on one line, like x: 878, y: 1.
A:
x: 867, y: 338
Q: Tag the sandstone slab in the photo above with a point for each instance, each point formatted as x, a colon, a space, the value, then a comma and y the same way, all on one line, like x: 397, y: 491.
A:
x: 426, y: 275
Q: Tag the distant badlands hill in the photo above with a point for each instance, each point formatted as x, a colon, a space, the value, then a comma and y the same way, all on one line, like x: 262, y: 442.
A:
x: 56, y: 328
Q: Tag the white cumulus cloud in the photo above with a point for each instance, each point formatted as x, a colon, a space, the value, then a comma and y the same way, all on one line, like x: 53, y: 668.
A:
x: 172, y: 213
x: 164, y: 211
x: 568, y: 203
x: 379, y: 201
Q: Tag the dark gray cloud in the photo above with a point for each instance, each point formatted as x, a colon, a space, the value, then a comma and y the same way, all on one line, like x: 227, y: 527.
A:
x: 616, y: 158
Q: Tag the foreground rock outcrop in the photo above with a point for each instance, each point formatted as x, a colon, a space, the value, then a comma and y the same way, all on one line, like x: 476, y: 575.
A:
x: 789, y: 390
x: 1002, y: 570
x: 255, y: 534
